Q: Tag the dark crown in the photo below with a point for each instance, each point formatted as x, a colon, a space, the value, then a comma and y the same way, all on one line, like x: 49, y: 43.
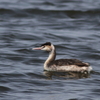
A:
x: 47, y: 43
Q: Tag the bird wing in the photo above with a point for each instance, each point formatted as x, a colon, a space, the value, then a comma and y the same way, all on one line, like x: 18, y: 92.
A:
x: 62, y: 62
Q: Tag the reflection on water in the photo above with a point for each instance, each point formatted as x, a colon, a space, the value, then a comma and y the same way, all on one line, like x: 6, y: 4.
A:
x: 66, y: 75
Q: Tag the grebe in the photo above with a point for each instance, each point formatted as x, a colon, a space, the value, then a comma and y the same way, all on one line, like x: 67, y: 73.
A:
x: 62, y: 65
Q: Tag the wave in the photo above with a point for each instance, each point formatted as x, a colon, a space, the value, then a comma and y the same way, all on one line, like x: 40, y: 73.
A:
x: 55, y: 13
x: 4, y: 89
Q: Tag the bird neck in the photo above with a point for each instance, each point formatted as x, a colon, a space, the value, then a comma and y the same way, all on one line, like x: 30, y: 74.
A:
x: 51, y: 58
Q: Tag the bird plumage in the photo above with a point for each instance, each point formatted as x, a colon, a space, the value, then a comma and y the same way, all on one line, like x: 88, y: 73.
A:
x: 62, y: 64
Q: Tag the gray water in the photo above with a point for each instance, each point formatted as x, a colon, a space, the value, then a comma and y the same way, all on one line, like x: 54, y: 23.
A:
x: 73, y: 26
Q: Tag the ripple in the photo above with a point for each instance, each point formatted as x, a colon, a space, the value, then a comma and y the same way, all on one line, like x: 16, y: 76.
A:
x: 37, y: 76
x: 57, y: 13
x: 4, y: 89
x: 6, y: 11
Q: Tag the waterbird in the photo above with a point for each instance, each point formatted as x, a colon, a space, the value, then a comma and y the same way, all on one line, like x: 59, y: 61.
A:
x: 62, y: 65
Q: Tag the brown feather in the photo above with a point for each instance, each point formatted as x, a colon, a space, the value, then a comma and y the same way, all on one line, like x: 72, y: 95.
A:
x: 62, y: 62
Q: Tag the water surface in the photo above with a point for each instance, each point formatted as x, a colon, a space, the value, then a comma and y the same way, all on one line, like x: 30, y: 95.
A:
x: 73, y: 26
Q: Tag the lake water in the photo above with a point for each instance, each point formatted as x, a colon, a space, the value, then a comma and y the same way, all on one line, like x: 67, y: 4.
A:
x: 73, y: 26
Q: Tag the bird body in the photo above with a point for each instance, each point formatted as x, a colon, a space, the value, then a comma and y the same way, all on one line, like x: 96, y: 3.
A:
x: 62, y: 65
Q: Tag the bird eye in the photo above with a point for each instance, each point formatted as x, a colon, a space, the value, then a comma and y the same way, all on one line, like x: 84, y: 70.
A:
x: 43, y: 46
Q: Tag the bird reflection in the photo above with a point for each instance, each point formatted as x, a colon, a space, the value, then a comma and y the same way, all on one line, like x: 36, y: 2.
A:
x: 66, y: 75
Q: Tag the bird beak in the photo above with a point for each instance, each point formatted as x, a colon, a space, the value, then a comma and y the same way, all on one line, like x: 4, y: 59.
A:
x: 39, y: 48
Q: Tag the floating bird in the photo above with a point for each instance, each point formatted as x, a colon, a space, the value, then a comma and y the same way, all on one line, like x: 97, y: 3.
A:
x: 62, y: 65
